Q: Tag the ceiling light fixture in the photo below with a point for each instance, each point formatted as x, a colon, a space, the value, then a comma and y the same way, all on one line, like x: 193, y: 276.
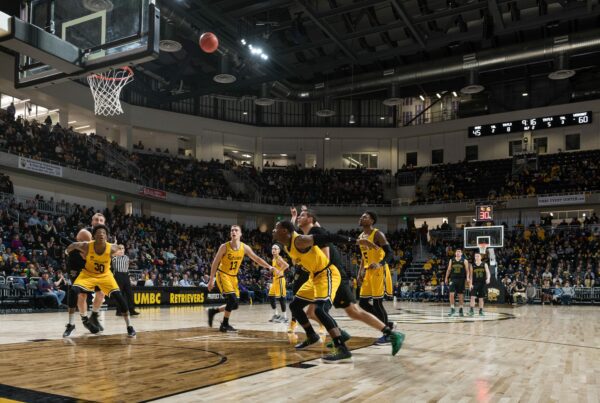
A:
x: 235, y: 151
x: 283, y: 155
x: 438, y: 95
x: 422, y: 97
x: 327, y: 138
x: 71, y: 122
x: 454, y: 94
x: 82, y: 127
x: 304, y: 94
x: 351, y: 121
x: 525, y: 94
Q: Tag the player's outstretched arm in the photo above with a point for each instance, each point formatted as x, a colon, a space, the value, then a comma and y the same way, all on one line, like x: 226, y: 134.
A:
x: 79, y: 246
x: 260, y: 261
x: 215, y: 265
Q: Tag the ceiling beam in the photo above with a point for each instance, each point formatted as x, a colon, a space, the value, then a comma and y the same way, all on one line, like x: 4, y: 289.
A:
x: 496, y: 14
x: 394, y: 25
x: 258, y: 7
x: 326, y: 29
x: 407, y: 21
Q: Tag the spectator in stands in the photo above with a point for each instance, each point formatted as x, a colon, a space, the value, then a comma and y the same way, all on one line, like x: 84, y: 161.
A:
x: 150, y: 281
x: 568, y: 293
x: 185, y: 282
x: 48, y: 288
x: 530, y: 292
x: 518, y: 293
x: 10, y: 110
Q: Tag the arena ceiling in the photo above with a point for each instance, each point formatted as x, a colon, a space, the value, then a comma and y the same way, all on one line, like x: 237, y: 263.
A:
x: 314, y: 44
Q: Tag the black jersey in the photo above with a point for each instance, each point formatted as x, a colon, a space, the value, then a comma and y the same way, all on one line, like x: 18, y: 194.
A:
x: 457, y: 269
x: 335, y: 256
x: 479, y: 275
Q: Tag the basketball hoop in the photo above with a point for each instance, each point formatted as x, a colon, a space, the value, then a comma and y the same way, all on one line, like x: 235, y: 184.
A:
x: 106, y: 88
x: 482, y: 247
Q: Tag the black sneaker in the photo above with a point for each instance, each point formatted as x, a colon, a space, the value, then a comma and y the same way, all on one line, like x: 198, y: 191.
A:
x: 338, y: 356
x: 95, y: 322
x: 90, y: 326
x: 69, y: 330
x: 211, y: 316
x: 227, y: 328
x: 307, y: 342
x: 134, y: 313
x: 131, y: 332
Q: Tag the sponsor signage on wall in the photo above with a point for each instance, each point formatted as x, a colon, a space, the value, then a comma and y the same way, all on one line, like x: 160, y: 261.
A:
x: 561, y: 200
x: 40, y: 167
x: 154, y: 193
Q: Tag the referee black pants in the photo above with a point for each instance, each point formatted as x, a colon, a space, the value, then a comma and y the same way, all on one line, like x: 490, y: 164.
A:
x: 125, y: 286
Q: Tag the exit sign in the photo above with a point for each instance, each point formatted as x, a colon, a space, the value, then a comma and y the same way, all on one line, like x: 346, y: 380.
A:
x: 484, y: 213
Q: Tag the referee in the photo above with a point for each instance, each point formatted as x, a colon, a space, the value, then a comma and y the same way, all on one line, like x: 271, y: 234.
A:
x: 120, y: 266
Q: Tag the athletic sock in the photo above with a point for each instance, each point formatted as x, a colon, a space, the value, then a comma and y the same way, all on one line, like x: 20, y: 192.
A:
x: 285, y: 315
x: 72, y: 318
x: 452, y: 306
x: 386, y: 331
x: 127, y: 320
x: 95, y: 310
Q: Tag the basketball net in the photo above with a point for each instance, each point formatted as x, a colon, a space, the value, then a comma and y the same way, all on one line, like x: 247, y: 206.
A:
x: 482, y: 247
x: 106, y: 89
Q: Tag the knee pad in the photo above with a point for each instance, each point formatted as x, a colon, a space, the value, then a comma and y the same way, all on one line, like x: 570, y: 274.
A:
x: 72, y: 295
x: 232, y: 303
x: 120, y: 301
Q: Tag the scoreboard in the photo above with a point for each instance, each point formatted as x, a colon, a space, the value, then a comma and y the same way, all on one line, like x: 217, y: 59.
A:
x: 484, y: 212
x: 524, y: 125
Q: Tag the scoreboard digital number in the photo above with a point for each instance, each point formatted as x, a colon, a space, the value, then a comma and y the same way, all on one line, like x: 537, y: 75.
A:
x: 484, y: 213
x: 525, y: 125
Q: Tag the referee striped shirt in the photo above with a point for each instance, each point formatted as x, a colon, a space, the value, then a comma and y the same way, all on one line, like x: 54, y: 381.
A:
x: 120, y: 264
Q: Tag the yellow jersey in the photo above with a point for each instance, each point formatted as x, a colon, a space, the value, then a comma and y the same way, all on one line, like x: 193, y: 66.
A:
x: 232, y: 259
x: 371, y: 256
x: 276, y: 265
x: 314, y: 260
x: 98, y: 265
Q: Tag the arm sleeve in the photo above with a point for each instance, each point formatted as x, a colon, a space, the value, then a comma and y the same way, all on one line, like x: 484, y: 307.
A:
x: 325, y: 238
x: 389, y: 255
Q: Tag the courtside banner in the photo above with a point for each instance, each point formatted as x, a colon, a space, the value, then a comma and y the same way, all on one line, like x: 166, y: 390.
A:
x: 155, y: 193
x: 175, y: 296
x: 40, y: 167
x: 560, y: 200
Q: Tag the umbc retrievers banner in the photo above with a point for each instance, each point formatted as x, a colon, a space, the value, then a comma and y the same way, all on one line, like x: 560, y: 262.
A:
x: 175, y: 296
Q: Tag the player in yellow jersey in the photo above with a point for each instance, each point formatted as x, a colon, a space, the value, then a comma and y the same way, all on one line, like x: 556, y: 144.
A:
x: 278, y: 290
x: 224, y: 270
x: 373, y: 268
x: 321, y: 287
x: 96, y: 273
x: 75, y: 263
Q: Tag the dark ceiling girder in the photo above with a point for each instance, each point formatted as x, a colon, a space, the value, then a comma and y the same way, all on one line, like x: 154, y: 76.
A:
x: 326, y: 29
x: 258, y: 7
x: 395, y: 25
x: 408, y: 23
x: 496, y: 14
x: 473, y: 35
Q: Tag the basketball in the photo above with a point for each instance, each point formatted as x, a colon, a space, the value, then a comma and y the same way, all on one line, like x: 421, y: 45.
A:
x: 209, y: 42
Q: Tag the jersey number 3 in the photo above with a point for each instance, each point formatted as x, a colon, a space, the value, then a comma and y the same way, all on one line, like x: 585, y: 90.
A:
x: 99, y: 267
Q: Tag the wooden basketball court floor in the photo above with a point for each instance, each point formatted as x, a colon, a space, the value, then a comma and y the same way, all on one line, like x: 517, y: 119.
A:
x: 524, y: 354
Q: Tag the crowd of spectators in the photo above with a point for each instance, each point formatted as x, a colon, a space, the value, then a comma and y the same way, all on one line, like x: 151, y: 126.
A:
x: 495, y: 180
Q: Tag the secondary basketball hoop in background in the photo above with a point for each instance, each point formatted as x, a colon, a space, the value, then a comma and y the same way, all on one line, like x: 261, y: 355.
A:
x: 485, y: 239
x: 106, y: 88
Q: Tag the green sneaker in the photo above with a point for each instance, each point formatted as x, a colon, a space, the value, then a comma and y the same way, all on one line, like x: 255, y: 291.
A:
x: 481, y: 312
x: 396, y: 339
x: 471, y: 312
x: 452, y: 312
x: 338, y: 356
x: 460, y: 312
x: 345, y: 337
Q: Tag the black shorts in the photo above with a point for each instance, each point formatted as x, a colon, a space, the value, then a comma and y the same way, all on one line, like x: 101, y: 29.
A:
x: 344, y: 295
x: 457, y: 285
x: 479, y: 290
x: 300, y: 277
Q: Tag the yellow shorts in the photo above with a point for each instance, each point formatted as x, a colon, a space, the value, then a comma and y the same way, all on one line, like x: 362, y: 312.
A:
x: 106, y: 283
x: 227, y: 284
x: 278, y: 289
x: 373, y: 285
x: 322, y: 286
x: 389, y: 288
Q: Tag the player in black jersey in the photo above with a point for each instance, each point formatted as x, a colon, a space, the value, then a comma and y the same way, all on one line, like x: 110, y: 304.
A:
x: 480, y: 275
x: 459, y: 273
x: 344, y: 298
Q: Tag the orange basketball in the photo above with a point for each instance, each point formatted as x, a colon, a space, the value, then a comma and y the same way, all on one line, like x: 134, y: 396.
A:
x: 209, y: 42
